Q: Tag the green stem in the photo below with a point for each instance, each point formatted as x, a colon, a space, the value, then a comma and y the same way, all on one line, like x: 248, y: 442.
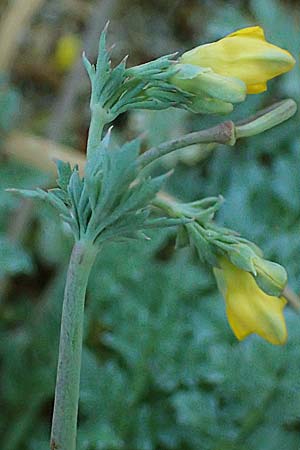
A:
x: 224, y: 133
x: 64, y: 422
x: 98, y: 122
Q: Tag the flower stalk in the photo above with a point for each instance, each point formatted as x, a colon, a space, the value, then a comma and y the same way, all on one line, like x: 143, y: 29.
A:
x: 64, y: 423
x: 224, y: 133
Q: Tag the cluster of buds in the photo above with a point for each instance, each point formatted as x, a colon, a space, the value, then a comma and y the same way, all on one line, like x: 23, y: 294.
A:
x: 251, y: 285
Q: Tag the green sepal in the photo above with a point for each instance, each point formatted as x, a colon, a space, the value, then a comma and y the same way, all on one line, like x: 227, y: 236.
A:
x: 165, y: 222
x: 208, y: 105
x: 242, y: 256
x: 153, y: 69
x: 202, y: 81
x: 202, y: 210
x: 204, y: 248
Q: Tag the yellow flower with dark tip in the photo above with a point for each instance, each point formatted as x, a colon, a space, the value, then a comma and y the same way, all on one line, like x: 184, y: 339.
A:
x: 244, y: 54
x: 249, y: 309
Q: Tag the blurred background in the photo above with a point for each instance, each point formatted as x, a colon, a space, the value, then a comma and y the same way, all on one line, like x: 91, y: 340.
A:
x: 161, y: 368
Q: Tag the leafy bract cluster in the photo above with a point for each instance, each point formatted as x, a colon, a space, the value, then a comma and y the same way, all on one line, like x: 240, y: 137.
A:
x: 119, y: 89
x: 109, y: 202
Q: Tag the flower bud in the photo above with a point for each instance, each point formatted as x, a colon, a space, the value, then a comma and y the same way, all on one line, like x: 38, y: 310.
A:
x: 266, y: 119
x: 271, y: 277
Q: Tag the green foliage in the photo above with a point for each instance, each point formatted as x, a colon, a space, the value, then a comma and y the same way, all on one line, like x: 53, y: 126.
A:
x: 161, y: 369
x: 109, y: 203
x: 120, y: 89
x: 168, y: 374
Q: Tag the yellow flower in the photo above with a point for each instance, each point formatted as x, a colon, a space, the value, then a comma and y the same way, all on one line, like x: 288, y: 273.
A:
x: 249, y: 309
x: 244, y: 54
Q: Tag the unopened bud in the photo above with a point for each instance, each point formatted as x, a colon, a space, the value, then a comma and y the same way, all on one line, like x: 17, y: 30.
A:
x: 266, y: 118
x: 271, y: 277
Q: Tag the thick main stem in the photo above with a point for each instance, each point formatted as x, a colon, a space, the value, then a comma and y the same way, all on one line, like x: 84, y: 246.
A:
x: 64, y: 422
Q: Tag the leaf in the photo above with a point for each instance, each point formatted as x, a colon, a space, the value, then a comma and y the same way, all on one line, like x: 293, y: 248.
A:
x: 64, y: 174
x: 51, y: 197
x: 114, y: 83
x: 88, y: 67
x: 143, y: 192
x: 103, y: 68
x: 28, y: 193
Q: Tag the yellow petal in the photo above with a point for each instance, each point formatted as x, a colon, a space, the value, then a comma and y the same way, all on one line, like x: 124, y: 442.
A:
x: 256, y: 88
x: 245, y: 55
x: 249, y: 309
x: 252, y: 32
x: 240, y: 330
